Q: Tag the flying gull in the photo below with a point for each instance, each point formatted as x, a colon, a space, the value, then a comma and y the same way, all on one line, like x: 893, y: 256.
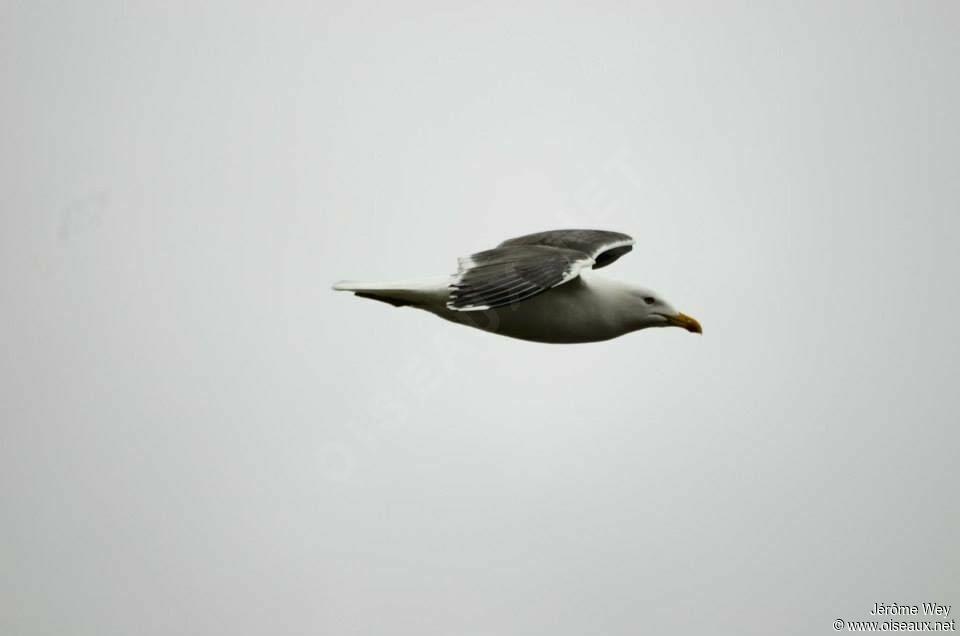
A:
x: 536, y: 287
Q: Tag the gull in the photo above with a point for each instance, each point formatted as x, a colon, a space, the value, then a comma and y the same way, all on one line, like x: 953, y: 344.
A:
x: 538, y: 287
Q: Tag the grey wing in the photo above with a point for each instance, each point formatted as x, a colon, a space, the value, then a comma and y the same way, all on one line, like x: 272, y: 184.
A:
x: 603, y: 246
x: 507, y: 275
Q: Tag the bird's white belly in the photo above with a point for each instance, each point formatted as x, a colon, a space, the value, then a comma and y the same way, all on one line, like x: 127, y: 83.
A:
x: 570, y: 313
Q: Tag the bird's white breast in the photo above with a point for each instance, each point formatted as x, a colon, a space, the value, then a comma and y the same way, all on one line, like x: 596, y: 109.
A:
x: 577, y: 311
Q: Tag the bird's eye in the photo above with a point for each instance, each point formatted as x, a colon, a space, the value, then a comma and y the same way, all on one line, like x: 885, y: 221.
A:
x: 649, y: 300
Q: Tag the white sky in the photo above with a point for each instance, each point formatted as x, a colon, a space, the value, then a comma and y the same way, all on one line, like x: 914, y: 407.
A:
x: 199, y: 437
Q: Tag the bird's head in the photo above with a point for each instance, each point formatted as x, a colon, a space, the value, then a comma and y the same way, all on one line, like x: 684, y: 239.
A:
x: 651, y: 310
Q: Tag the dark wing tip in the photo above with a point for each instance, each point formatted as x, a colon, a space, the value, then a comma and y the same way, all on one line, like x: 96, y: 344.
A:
x: 508, y: 275
x: 604, y: 246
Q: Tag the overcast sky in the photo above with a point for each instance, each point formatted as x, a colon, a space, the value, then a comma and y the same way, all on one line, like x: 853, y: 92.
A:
x: 198, y: 437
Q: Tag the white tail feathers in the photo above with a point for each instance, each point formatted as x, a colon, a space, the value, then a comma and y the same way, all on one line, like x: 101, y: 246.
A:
x: 404, y: 292
x: 410, y: 285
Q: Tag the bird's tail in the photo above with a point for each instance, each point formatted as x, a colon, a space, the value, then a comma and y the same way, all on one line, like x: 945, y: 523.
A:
x: 398, y: 293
